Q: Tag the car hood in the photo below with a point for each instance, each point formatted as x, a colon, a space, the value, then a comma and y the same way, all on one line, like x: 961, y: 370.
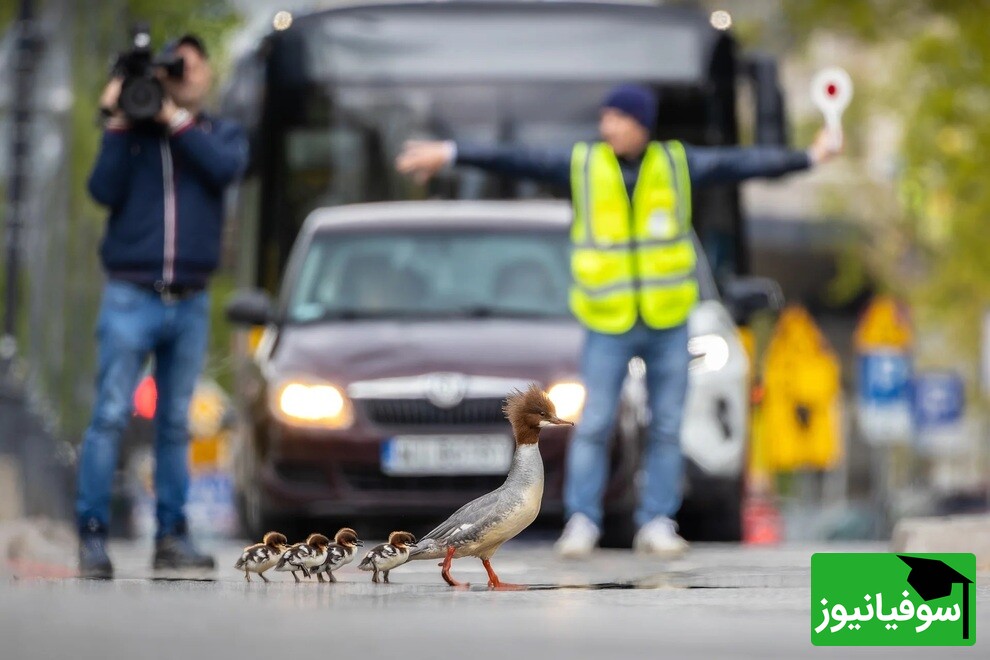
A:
x: 345, y: 352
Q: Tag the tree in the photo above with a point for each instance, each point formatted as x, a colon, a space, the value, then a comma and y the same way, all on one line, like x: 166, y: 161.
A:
x: 929, y: 241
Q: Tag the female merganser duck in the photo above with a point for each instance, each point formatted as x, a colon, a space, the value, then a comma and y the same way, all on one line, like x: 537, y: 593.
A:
x: 387, y: 556
x: 339, y: 553
x: 259, y: 557
x: 480, y: 527
x: 304, y: 556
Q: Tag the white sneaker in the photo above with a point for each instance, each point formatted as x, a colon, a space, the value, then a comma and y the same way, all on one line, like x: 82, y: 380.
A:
x: 659, y: 537
x: 579, y: 538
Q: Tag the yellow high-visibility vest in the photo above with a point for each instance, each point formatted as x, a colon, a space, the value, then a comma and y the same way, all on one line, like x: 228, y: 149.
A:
x: 632, y: 259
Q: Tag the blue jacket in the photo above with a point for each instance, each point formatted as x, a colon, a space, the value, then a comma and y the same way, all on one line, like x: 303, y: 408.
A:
x: 165, y: 194
x: 706, y: 165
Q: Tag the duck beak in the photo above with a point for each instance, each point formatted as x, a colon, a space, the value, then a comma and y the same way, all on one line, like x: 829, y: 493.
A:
x: 359, y: 543
x: 557, y: 421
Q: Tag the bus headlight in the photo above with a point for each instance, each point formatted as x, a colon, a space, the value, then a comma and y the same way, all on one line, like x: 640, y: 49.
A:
x: 311, y: 403
x: 708, y: 352
x: 568, y: 399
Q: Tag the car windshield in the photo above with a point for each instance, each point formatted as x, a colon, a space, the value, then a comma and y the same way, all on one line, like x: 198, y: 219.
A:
x: 426, y: 274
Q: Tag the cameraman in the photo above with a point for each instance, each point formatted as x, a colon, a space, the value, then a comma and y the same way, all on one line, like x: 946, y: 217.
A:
x: 163, y: 184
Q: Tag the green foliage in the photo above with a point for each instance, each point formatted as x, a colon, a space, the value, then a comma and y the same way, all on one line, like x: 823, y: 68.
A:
x: 940, y: 89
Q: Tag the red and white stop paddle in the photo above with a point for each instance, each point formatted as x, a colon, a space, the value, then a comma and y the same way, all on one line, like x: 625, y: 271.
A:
x: 831, y: 91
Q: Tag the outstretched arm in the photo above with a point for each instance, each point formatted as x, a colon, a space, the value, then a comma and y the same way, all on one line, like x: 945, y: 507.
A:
x: 423, y: 159
x: 713, y: 165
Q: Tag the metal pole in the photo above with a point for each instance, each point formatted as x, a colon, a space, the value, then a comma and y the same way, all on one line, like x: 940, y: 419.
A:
x: 21, y: 116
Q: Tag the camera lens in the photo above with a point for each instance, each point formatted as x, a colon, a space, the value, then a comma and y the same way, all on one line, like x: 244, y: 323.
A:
x: 141, y: 98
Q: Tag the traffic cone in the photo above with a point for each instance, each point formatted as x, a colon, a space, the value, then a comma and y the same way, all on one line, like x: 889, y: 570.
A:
x: 761, y: 520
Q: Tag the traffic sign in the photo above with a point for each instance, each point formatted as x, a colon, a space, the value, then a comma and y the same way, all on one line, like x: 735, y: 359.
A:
x: 883, y: 326
x: 831, y: 91
x: 939, y: 399
x: 884, y: 378
x: 884, y: 400
x: 938, y: 406
x: 800, y: 415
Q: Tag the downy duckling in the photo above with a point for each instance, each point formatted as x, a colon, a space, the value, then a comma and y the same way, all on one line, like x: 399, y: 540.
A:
x: 260, y: 557
x: 339, y: 553
x: 318, y: 545
x: 387, y: 556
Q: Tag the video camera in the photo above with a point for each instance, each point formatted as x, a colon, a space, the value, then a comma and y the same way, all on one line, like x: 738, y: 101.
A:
x: 141, y: 93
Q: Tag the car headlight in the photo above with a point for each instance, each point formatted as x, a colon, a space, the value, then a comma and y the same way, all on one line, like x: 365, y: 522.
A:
x: 568, y: 400
x: 311, y: 403
x: 708, y: 352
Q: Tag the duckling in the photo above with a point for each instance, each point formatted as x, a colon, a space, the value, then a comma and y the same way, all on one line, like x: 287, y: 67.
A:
x: 259, y: 557
x: 339, y: 553
x: 293, y: 559
x: 479, y: 528
x: 318, y: 545
x: 387, y: 556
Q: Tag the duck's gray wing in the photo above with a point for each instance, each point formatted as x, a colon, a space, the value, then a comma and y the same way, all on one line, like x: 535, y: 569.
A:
x: 463, y: 526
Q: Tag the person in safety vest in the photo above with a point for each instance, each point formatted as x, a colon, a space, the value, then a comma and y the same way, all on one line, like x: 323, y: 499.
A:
x: 633, y: 266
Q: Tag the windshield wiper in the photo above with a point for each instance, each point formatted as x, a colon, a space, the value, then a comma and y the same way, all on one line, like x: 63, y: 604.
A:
x: 348, y: 315
x: 490, y: 311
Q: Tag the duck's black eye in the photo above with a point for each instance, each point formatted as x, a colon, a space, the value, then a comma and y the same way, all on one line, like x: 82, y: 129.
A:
x: 543, y: 414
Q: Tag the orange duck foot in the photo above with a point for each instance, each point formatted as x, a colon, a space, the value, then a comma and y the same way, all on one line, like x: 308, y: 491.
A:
x: 496, y: 584
x: 445, y: 573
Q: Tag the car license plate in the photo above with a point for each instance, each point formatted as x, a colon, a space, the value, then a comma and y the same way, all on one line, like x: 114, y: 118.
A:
x: 443, y: 455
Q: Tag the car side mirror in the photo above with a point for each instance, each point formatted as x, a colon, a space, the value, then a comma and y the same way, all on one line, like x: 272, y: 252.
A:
x: 749, y: 294
x: 250, y: 307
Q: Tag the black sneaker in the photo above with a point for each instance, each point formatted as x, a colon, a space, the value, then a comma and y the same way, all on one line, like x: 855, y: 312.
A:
x: 93, y: 559
x: 177, y: 553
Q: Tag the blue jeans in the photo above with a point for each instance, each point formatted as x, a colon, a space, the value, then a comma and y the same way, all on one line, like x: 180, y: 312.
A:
x: 604, y: 365
x: 134, y: 324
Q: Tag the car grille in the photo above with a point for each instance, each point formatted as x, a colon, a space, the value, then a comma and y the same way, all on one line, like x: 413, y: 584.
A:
x: 371, y: 478
x: 419, y: 412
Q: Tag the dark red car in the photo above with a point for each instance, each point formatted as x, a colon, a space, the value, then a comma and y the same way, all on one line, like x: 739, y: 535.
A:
x: 377, y: 387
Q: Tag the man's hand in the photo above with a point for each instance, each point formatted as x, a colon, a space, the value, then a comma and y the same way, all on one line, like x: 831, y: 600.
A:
x: 110, y: 96
x: 422, y: 159
x: 168, y: 112
x: 822, y: 150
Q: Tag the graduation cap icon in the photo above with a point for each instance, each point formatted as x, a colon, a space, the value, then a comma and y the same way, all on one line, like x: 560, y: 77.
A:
x: 933, y: 578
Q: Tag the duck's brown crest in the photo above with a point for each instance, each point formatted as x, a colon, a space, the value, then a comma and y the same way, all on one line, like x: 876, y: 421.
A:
x: 531, y: 401
x: 274, y: 539
x: 317, y: 540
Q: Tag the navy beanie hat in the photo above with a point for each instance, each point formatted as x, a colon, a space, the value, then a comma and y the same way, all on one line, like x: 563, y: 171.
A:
x: 637, y: 101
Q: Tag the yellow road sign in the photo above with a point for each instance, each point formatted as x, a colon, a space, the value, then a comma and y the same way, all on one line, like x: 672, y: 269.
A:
x: 800, y: 414
x: 884, y: 325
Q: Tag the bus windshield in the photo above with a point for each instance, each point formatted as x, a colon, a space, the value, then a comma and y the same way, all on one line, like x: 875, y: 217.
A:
x: 406, y: 44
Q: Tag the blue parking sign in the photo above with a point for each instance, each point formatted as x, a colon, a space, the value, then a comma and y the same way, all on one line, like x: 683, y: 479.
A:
x: 884, y: 402
x: 884, y: 378
x: 939, y: 399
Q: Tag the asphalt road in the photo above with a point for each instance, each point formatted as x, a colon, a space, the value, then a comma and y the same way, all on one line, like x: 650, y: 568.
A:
x: 718, y: 602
